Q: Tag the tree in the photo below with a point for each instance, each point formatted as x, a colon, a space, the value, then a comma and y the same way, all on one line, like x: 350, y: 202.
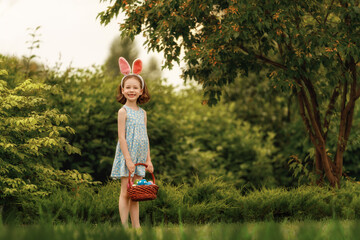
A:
x: 152, y: 70
x: 121, y: 46
x: 311, y: 47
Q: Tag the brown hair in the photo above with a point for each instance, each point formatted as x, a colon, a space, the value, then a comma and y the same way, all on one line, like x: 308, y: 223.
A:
x: 144, y: 98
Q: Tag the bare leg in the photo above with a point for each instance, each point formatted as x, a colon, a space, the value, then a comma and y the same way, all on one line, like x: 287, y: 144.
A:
x: 134, y: 209
x: 124, y: 202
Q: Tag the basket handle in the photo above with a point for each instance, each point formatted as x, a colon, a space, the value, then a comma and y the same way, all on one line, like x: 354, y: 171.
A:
x: 130, y: 183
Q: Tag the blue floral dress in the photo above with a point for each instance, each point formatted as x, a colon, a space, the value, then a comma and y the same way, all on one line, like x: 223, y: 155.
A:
x: 137, y: 141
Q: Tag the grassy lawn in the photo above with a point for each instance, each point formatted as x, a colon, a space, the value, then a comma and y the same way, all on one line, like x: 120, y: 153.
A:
x: 329, y: 229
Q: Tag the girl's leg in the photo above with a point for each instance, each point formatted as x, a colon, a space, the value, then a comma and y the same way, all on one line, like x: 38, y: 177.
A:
x: 124, y: 202
x: 134, y: 208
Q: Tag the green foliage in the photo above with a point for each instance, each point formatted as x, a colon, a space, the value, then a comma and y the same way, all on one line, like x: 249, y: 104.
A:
x: 88, y: 97
x: 30, y: 131
x: 206, y: 201
x: 260, y: 103
x: 205, y: 140
x: 214, y: 200
x: 222, y: 38
x: 302, y: 170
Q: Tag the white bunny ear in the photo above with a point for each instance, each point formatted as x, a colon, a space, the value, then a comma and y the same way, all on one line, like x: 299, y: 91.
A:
x: 137, y: 66
x: 124, y: 66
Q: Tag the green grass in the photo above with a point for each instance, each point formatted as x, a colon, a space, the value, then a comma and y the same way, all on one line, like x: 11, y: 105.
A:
x: 329, y: 229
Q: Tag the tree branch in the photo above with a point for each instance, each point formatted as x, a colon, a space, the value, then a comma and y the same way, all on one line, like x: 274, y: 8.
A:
x: 354, y: 76
x: 352, y: 100
x: 314, y: 102
x: 348, y: 125
x: 341, y: 61
x: 310, y: 114
x: 357, y: 93
x: 340, y: 147
x: 330, y: 108
x: 306, y: 120
x: 318, y: 21
x: 276, y: 64
x: 343, y: 97
x: 352, y: 68
x: 328, y: 11
x: 281, y: 51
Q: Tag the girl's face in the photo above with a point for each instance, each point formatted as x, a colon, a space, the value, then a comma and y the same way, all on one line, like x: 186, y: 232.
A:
x: 132, y: 89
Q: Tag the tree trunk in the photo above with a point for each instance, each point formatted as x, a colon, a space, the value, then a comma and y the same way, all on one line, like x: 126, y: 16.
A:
x: 309, y: 110
x: 310, y: 115
x: 329, y: 167
x: 319, y: 168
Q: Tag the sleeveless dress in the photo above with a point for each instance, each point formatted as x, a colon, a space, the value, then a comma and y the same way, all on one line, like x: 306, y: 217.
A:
x: 137, y: 141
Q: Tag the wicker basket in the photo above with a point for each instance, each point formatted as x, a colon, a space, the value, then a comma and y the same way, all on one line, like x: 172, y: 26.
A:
x: 142, y: 192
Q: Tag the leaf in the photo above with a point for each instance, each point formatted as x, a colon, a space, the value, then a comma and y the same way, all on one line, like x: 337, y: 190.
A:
x: 3, y: 72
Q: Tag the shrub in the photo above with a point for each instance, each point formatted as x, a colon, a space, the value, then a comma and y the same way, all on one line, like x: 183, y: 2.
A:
x: 207, y: 201
x: 29, y: 132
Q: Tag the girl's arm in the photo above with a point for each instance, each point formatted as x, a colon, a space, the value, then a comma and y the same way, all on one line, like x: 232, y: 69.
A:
x: 150, y: 167
x: 122, y: 140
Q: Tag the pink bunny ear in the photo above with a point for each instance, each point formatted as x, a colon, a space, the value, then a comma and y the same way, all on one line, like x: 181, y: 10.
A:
x: 124, y: 66
x: 137, y: 66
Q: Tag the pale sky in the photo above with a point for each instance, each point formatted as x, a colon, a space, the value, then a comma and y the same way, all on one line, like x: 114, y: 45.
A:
x: 69, y: 28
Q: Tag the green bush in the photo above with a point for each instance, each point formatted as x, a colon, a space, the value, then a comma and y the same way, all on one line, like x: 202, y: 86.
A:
x: 206, y: 201
x: 30, y: 131
x: 188, y: 138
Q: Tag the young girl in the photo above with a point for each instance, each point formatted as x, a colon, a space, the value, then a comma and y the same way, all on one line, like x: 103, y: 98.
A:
x: 133, y: 145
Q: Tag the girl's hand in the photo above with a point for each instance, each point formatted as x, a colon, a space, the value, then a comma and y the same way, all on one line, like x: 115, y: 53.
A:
x: 150, y: 167
x: 131, y: 166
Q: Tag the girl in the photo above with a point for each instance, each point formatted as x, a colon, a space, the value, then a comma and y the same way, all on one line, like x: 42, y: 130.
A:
x: 133, y: 145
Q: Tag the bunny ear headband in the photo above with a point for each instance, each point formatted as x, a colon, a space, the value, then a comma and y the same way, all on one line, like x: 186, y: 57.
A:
x: 126, y: 70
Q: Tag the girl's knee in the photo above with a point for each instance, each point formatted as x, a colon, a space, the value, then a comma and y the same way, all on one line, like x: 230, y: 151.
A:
x: 124, y: 194
x: 123, y: 190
